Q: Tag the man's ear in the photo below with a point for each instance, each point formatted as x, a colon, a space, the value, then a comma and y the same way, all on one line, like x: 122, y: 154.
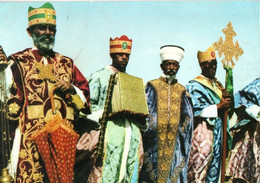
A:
x: 201, y: 66
x: 161, y: 65
x: 178, y: 69
x: 29, y: 31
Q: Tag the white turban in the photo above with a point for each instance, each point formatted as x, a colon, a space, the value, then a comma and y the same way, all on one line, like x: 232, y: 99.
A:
x: 171, y: 52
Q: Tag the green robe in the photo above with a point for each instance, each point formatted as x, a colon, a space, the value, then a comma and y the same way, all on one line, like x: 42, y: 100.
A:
x: 122, y: 144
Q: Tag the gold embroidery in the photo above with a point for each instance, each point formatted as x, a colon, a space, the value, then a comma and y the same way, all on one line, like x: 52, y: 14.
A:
x: 22, y: 154
x: 36, y: 155
x: 168, y: 108
x: 214, y: 85
x: 38, y: 176
x: 36, y: 111
x: 76, y: 100
x: 29, y: 165
x: 14, y: 108
x: 46, y: 72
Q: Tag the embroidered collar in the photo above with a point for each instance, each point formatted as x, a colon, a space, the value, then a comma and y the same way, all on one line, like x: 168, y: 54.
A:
x: 212, y: 84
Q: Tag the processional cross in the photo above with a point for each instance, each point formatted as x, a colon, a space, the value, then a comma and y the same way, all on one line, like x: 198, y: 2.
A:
x: 230, y: 50
x: 5, y: 144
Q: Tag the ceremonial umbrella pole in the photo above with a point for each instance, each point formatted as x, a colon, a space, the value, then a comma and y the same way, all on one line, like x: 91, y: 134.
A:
x: 5, y: 138
x: 230, y: 50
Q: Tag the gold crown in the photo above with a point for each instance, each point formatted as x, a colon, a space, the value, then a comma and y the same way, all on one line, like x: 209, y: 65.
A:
x: 206, y: 55
x: 121, y: 45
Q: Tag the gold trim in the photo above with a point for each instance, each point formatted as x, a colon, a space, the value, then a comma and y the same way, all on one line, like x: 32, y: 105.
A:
x: 70, y: 113
x: 36, y: 111
x: 169, y: 109
x: 119, y: 50
x: 76, y: 100
x: 41, y: 11
x: 208, y: 83
x: 13, y: 108
x: 42, y: 20
x: 112, y: 43
x: 46, y: 72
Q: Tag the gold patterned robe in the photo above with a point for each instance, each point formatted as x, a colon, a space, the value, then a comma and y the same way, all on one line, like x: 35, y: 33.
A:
x: 167, y: 141
x: 36, y: 102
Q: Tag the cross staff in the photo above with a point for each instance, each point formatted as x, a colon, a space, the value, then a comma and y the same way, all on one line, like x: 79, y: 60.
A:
x: 230, y: 50
x: 4, y: 123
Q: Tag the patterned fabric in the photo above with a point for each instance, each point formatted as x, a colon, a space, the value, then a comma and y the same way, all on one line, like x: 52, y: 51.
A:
x: 116, y: 147
x: 58, y: 149
x: 167, y: 140
x: 45, y: 14
x: 244, y: 162
x: 31, y: 93
x: 98, y: 87
x: 122, y: 155
x: 249, y: 96
x: 205, y: 155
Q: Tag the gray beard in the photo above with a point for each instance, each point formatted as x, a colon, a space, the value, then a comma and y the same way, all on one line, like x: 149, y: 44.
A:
x: 171, y: 77
x: 41, y: 44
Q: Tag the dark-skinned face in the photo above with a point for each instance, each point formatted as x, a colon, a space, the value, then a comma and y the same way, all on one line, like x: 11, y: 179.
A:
x: 209, y: 68
x: 170, y: 67
x: 43, y: 36
x: 120, y: 61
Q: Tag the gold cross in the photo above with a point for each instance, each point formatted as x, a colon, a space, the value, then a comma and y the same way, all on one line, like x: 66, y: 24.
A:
x: 45, y: 71
x: 228, y: 48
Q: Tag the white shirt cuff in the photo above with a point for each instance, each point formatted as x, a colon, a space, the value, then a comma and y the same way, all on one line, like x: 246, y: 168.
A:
x: 80, y: 93
x: 95, y: 115
x: 254, y: 112
x: 210, y: 112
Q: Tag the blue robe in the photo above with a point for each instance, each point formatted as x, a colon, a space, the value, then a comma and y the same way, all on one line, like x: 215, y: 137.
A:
x: 205, y: 157
x: 244, y: 162
x: 167, y: 140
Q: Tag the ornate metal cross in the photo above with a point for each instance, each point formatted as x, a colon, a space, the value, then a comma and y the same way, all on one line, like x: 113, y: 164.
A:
x: 228, y: 48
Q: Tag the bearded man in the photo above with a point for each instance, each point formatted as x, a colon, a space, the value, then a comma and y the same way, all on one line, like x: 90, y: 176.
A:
x: 47, y: 92
x: 167, y: 141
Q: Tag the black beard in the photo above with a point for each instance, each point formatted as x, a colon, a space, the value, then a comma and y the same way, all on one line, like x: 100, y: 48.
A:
x: 170, y: 72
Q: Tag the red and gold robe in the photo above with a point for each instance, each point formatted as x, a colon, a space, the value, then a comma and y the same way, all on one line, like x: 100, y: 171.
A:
x: 47, y: 150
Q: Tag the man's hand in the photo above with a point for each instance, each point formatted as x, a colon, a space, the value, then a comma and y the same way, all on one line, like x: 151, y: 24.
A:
x: 65, y: 86
x: 225, y: 94
x: 225, y: 103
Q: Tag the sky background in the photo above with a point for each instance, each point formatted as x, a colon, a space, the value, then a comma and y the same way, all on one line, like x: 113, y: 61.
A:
x: 84, y: 29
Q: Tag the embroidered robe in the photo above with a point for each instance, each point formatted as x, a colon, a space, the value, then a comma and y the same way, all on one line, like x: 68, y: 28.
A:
x: 167, y: 141
x: 46, y: 150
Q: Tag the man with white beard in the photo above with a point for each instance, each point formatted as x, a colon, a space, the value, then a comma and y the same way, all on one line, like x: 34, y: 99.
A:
x: 167, y: 141
x: 47, y: 92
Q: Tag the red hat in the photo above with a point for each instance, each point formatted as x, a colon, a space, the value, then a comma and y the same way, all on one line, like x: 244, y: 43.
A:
x: 121, y: 45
